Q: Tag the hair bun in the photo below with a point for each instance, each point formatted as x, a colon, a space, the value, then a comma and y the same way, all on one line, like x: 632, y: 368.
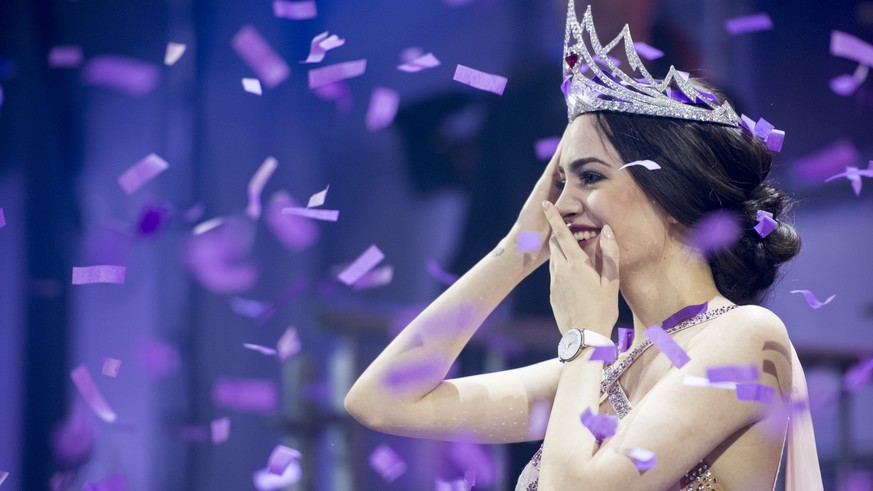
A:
x: 749, y: 269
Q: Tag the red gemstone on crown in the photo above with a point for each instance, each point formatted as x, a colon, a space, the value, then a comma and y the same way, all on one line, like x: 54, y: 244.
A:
x: 572, y: 59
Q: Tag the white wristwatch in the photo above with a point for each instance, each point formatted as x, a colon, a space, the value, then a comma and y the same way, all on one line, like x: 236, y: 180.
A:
x: 576, y: 339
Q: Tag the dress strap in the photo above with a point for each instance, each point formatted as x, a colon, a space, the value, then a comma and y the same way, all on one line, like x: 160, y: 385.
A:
x: 611, y: 373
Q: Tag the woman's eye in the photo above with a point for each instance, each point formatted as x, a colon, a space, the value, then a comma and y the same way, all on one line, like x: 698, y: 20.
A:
x: 589, y: 177
x: 559, y: 183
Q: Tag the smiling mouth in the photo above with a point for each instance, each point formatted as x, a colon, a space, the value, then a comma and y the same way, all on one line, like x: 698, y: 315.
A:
x: 585, y: 236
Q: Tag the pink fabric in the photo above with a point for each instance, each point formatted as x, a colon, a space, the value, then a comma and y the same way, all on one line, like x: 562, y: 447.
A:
x: 802, y: 472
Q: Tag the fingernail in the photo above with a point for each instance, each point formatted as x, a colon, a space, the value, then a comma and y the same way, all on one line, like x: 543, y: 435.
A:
x: 547, y: 204
x: 607, y: 232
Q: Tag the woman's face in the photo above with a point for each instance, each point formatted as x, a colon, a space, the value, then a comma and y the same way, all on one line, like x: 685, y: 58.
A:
x: 595, y: 193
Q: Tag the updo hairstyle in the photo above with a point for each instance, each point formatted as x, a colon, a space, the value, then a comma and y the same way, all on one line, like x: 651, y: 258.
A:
x: 707, y: 167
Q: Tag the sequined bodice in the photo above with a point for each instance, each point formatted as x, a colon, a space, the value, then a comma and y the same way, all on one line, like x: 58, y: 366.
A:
x: 700, y: 477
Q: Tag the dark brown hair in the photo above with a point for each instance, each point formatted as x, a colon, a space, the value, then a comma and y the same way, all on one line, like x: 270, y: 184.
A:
x: 707, y: 167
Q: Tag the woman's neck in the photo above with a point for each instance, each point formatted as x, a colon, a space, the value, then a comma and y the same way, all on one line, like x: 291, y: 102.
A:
x: 657, y: 293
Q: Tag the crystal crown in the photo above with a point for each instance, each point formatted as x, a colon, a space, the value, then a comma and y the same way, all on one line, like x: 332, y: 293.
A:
x: 588, y: 88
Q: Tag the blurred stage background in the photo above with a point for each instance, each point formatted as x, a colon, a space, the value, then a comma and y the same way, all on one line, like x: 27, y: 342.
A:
x: 434, y: 190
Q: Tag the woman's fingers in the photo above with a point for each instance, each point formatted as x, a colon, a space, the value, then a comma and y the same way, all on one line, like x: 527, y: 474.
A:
x: 610, y: 255
x: 560, y: 232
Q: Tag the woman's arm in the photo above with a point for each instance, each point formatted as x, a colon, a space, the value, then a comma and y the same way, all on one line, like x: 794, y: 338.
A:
x: 404, y: 390
x: 681, y: 424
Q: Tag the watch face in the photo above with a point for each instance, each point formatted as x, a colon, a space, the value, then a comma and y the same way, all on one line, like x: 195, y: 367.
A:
x: 569, y: 345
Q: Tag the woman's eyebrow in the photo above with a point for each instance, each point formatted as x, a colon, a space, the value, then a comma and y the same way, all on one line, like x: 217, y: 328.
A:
x: 580, y: 162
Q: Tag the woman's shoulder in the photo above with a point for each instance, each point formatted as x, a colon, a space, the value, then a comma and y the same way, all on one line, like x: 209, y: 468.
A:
x: 753, y: 321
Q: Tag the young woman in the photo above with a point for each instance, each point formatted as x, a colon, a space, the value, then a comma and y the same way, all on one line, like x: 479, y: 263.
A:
x: 606, y: 230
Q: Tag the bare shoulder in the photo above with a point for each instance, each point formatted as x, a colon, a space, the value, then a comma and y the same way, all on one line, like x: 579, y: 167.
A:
x: 750, y: 334
x: 748, y: 323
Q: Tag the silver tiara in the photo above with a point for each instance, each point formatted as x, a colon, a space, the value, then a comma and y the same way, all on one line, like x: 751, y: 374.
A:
x: 588, y: 88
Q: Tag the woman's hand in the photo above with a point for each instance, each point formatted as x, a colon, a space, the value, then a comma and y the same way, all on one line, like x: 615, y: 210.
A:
x: 581, y: 296
x: 531, y: 218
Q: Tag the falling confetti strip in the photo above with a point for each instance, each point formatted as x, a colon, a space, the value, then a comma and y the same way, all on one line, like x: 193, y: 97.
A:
x: 142, y: 172
x: 480, y: 80
x: 91, y: 394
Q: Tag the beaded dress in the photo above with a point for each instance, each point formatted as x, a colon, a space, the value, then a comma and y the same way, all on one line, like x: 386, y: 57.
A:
x: 698, y: 478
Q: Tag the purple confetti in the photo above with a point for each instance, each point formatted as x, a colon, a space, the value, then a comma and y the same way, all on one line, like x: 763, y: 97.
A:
x: 546, y: 147
x: 248, y: 308
x: 152, y: 219
x: 763, y: 128
x: 419, y: 63
x: 288, y: 345
x: 295, y: 233
x: 647, y: 52
x: 362, y: 265
x: 125, y: 75
x: 848, y: 46
x: 529, y: 241
x: 684, y: 313
x: 625, y: 338
x: 252, y: 86
x: 667, y: 345
x: 439, y: 274
x: 216, y: 256
x: 766, y: 223
x: 733, y: 373
x: 331, y: 74
x: 853, y: 175
x: 267, y: 481
x: 323, y: 215
x: 454, y: 485
x: 714, y: 232
x: 91, y: 394
x: 158, y: 357
x: 475, y: 460
x: 115, y: 482
x: 280, y: 458
x: 377, y: 277
x: 648, y: 164
x: 65, y: 56
x: 844, y: 85
x: 295, y: 10
x: 606, y: 354
x: 318, y: 198
x: 173, y: 52
x: 72, y: 441
x: 749, y: 23
x: 140, y: 173
x: 403, y: 377
x: 600, y: 425
x: 260, y: 56
x: 775, y: 140
x: 264, y: 350
x: 643, y: 459
x: 694, y: 381
x: 858, y: 376
x: 320, y: 45
x: 480, y: 80
x: 99, y: 274
x: 3, y: 476
x: 249, y: 395
x: 220, y: 430
x: 383, y: 107
x: 385, y: 461
x: 339, y: 93
x: 2, y: 218
x: 111, y: 366
x: 756, y: 392
x: 819, y: 165
x: 812, y: 301
x: 256, y: 186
